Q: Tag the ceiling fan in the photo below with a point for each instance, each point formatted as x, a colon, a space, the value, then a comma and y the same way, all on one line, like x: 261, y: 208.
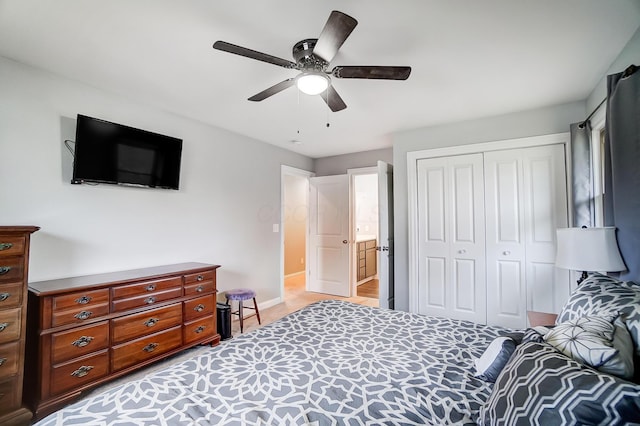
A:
x: 312, y: 58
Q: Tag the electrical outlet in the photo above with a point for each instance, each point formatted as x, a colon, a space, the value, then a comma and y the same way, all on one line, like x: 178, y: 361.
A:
x: 302, y: 260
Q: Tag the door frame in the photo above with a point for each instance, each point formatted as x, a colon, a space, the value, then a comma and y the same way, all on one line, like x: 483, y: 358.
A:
x: 412, y: 186
x: 291, y: 171
x: 353, y: 273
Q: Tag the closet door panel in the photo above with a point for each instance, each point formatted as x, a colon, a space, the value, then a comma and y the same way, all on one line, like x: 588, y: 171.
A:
x: 434, y: 238
x: 436, y: 292
x: 451, y: 229
x: 466, y: 251
x: 546, y: 210
x: 526, y: 203
x: 509, y: 296
x: 505, y: 249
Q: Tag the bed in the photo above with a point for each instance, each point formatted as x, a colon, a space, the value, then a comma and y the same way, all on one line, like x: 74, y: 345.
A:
x: 336, y: 362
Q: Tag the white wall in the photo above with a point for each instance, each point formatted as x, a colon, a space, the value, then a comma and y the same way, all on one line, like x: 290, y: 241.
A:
x: 223, y: 213
x: 338, y: 164
x: 630, y: 54
x: 543, y: 121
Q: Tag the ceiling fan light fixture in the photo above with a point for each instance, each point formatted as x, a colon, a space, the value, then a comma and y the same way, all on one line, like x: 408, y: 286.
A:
x: 312, y: 83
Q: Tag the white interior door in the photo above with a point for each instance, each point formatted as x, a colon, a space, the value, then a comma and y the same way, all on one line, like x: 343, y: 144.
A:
x: 526, y: 202
x: 385, y: 234
x: 329, y: 259
x: 451, y: 264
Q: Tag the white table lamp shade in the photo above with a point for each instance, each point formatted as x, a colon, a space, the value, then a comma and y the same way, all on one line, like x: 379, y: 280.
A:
x: 589, y: 249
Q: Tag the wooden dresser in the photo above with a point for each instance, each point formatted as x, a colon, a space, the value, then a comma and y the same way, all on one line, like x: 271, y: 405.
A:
x: 14, y: 266
x: 84, y: 331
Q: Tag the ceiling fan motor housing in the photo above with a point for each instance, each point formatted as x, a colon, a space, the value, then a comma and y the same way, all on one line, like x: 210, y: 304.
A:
x: 304, y: 57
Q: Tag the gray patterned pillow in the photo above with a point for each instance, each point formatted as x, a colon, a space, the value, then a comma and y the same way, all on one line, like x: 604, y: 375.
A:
x: 541, y: 386
x: 601, y: 295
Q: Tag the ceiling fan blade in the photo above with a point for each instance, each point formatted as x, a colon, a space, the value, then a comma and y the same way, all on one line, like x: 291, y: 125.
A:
x: 333, y: 35
x: 253, y: 54
x: 333, y: 100
x: 276, y: 88
x: 372, y: 72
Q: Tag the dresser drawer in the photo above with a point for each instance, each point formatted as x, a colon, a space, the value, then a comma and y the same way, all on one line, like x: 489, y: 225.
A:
x: 80, y: 315
x: 11, y: 245
x: 9, y: 399
x: 11, y: 295
x: 10, y: 325
x: 146, y: 299
x: 11, y: 269
x: 145, y: 287
x: 84, y: 299
x: 76, y: 373
x: 132, y: 326
x: 145, y: 348
x: 79, y: 341
x: 199, y: 329
x: 200, y: 277
x: 200, y: 287
x: 199, y: 307
x: 9, y: 359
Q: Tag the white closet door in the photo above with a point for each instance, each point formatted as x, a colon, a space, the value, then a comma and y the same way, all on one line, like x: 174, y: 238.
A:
x: 451, y: 237
x: 546, y: 210
x: 525, y: 203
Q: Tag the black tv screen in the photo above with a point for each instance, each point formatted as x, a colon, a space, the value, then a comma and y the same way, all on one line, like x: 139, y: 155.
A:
x: 112, y: 153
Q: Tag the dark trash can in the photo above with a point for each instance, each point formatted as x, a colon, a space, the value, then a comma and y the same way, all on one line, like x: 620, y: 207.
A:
x: 224, y: 321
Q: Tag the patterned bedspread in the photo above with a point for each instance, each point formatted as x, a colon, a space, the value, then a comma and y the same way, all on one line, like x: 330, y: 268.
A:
x: 332, y: 362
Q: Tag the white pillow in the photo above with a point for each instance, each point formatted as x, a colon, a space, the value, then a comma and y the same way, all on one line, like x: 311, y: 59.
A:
x: 494, y: 358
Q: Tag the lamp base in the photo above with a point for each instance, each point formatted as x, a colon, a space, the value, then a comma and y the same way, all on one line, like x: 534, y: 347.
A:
x: 582, y: 277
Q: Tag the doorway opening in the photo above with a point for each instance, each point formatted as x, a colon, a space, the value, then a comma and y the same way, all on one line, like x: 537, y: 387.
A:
x: 310, y: 210
x: 365, y: 224
x: 295, y: 207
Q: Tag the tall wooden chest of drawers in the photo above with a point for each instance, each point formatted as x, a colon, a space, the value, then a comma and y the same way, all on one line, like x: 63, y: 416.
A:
x: 14, y: 266
x: 84, y: 331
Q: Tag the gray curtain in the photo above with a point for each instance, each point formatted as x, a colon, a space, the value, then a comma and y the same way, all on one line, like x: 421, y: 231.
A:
x: 623, y: 146
x: 582, y: 176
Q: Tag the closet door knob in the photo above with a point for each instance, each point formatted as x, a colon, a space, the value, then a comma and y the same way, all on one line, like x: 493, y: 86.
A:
x: 463, y: 251
x: 506, y: 252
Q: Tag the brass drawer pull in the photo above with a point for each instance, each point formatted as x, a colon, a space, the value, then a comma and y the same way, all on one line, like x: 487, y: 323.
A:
x: 5, y: 246
x: 4, y: 296
x: 4, y: 269
x: 83, y: 300
x: 83, y: 315
x: 3, y: 326
x: 149, y: 300
x: 200, y: 278
x: 82, y: 371
x: 200, y: 329
x: 2, y: 361
x: 82, y: 341
x: 151, y: 322
x: 199, y: 307
x: 150, y: 287
x: 150, y: 347
x: 199, y: 289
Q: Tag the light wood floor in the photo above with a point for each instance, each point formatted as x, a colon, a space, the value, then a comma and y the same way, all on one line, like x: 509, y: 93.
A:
x: 369, y: 289
x: 296, y: 298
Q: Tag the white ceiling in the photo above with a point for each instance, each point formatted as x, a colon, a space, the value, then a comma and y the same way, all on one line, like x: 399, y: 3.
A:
x: 470, y: 59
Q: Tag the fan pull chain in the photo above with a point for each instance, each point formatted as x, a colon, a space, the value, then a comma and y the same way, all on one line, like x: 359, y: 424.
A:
x: 327, y: 109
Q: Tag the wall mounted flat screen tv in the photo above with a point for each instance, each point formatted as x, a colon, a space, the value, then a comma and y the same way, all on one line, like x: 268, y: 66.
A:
x: 112, y: 153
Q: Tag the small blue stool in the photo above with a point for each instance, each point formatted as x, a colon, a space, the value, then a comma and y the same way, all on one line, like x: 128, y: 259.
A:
x: 242, y: 294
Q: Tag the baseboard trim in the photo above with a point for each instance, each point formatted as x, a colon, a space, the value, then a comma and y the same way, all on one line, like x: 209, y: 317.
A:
x: 269, y: 303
